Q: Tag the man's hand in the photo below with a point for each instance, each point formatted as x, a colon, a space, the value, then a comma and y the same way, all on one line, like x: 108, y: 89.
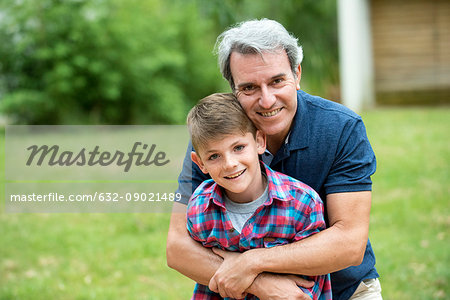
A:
x: 276, y: 286
x: 234, y: 275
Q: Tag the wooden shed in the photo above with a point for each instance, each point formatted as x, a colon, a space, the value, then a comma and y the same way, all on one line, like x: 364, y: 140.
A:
x: 409, y: 50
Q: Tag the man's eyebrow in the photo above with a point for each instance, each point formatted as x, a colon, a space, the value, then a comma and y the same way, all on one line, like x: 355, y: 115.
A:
x: 244, y: 84
x: 278, y: 75
x: 271, y: 78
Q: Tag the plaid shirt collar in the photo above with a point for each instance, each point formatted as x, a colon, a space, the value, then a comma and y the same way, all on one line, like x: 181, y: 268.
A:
x: 277, y: 190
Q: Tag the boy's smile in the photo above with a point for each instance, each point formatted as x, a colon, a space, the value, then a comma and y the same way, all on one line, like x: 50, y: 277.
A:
x: 236, y: 175
x: 232, y: 162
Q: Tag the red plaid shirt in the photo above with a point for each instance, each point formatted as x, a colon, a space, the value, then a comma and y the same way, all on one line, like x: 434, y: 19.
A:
x: 293, y: 211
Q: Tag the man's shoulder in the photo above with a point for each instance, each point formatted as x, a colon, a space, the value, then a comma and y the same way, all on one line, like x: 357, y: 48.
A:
x: 321, y: 123
x: 318, y: 107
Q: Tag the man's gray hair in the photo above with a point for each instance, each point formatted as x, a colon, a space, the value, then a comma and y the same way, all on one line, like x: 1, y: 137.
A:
x: 256, y: 36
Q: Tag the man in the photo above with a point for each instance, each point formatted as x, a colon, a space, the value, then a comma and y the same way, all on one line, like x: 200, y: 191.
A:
x: 311, y: 139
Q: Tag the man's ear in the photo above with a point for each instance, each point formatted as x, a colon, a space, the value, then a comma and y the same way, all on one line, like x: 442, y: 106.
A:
x: 260, y: 141
x: 198, y: 161
x: 298, y: 74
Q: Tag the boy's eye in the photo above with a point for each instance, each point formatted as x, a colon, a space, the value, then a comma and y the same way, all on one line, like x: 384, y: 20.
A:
x: 239, y: 148
x: 213, y: 157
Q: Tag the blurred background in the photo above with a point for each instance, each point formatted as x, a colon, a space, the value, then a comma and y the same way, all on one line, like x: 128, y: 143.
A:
x: 148, y: 62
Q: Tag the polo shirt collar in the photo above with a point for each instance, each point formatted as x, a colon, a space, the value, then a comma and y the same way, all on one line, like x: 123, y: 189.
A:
x: 298, y: 138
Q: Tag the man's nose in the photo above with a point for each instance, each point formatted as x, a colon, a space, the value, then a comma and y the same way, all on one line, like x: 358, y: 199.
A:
x: 267, y: 98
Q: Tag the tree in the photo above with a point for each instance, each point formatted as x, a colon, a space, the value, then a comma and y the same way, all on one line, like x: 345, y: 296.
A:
x: 109, y: 62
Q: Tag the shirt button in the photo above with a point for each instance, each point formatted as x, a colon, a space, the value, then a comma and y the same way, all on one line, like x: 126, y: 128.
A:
x: 232, y: 230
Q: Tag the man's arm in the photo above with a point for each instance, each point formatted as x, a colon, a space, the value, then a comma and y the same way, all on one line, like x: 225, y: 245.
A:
x: 185, y: 254
x: 339, y: 246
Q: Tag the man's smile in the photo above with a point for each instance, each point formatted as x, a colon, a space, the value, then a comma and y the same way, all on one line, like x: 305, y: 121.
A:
x: 270, y: 113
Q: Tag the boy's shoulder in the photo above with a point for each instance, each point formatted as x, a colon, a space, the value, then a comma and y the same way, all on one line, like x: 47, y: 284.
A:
x: 203, y: 193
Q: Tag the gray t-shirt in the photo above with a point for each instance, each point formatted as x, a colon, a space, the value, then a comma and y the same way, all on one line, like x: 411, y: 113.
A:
x: 239, y: 213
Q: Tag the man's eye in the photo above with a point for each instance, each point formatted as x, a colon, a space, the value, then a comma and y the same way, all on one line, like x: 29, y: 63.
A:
x: 248, y: 89
x: 278, y: 80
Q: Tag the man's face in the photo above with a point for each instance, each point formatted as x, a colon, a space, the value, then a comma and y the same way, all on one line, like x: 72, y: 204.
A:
x: 232, y: 162
x: 267, y: 90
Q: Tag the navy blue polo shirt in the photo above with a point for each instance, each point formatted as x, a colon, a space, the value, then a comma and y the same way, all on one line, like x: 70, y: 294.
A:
x: 328, y: 149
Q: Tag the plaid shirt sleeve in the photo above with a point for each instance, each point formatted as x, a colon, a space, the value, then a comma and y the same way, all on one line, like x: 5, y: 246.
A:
x: 310, y: 219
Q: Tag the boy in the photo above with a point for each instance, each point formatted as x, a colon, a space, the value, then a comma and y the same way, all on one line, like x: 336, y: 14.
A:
x: 246, y: 204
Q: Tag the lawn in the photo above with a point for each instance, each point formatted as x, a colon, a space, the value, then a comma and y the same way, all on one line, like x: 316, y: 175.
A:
x: 122, y: 256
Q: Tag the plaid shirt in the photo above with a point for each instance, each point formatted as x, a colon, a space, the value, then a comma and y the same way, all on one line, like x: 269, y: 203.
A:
x: 293, y: 211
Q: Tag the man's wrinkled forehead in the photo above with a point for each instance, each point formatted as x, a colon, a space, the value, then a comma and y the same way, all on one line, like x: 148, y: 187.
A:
x: 251, y: 55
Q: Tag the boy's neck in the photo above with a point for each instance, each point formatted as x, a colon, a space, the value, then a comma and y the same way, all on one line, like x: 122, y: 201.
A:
x: 252, y: 193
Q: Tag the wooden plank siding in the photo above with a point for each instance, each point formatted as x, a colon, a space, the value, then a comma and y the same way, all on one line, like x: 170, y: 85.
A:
x: 411, y: 47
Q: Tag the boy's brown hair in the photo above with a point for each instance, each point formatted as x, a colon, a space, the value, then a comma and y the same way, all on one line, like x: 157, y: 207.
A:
x: 215, y: 116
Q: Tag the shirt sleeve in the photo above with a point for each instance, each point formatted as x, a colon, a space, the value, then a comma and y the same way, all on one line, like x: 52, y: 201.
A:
x: 190, y: 228
x: 354, y: 161
x: 311, y: 216
x: 190, y: 177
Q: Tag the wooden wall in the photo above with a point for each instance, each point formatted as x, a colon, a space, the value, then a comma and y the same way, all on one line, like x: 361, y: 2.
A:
x: 411, y: 46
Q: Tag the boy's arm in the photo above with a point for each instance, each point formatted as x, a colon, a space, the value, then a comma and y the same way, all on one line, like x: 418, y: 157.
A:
x: 339, y: 246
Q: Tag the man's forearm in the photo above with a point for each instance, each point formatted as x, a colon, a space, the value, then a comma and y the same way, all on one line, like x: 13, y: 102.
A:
x: 186, y: 255
x: 318, y: 254
x: 340, y: 246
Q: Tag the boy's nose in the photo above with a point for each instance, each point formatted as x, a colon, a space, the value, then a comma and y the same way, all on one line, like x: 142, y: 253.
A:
x: 230, y: 162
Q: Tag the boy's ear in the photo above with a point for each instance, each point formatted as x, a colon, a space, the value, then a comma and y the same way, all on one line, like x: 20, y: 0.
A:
x: 260, y: 142
x: 198, y: 161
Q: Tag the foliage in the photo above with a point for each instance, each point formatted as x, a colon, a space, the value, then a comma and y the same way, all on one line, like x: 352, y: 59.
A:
x: 138, y: 62
x: 114, y: 62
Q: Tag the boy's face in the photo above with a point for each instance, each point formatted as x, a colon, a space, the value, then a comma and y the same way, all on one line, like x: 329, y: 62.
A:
x: 232, y: 162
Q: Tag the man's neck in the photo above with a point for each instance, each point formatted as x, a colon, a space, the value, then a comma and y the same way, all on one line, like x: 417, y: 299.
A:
x: 274, y: 142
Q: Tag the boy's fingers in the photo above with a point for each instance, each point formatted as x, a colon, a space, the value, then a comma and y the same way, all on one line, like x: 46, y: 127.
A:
x: 303, y: 282
x: 219, y: 252
x: 213, y: 285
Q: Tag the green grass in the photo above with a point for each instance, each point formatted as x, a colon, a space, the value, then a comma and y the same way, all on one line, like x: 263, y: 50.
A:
x: 122, y: 256
x: 410, y: 217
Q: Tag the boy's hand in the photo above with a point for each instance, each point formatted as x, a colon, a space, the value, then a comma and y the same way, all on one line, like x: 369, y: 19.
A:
x: 234, y: 275
x: 280, y: 286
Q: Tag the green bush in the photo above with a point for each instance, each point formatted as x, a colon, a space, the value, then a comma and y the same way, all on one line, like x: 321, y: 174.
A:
x: 111, y: 62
